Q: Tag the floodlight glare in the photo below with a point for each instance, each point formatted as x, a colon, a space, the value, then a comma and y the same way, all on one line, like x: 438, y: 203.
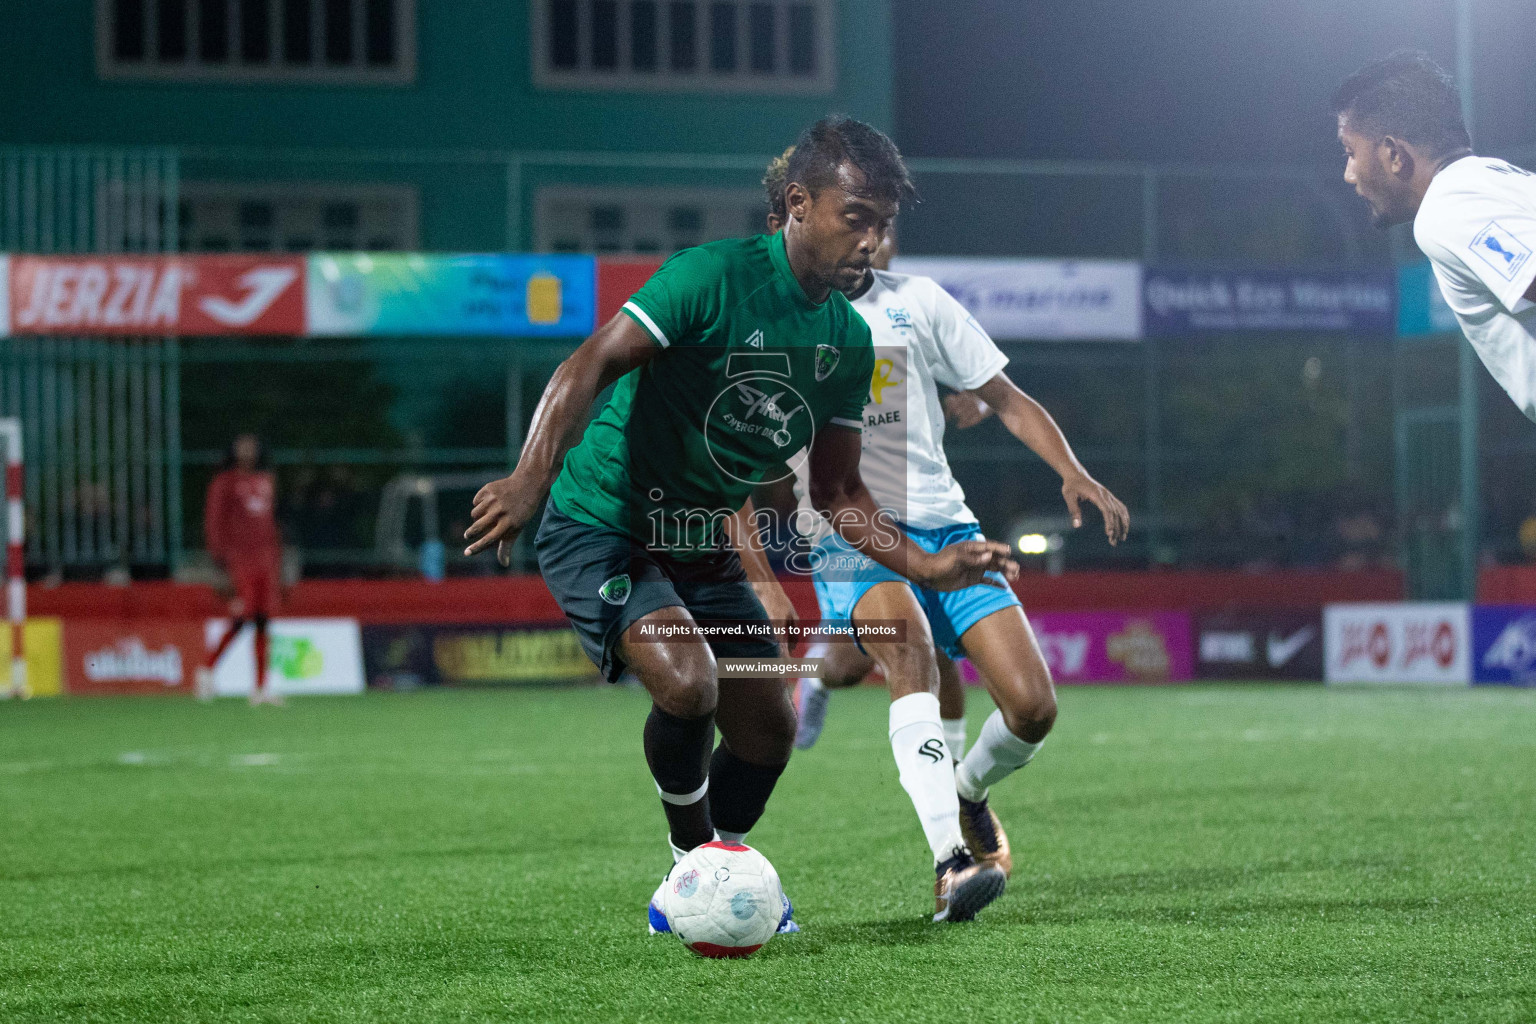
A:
x: 1034, y: 544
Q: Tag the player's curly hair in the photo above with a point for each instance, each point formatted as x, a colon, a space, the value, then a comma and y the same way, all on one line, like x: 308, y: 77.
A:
x: 774, y: 179
x: 837, y: 139
x: 1408, y: 96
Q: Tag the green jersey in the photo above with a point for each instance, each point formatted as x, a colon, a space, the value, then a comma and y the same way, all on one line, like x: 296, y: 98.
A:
x: 750, y: 370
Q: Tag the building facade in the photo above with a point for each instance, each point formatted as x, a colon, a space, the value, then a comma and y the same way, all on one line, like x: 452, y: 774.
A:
x: 464, y: 125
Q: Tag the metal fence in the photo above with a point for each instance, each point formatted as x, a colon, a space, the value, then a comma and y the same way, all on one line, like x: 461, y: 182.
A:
x: 101, y: 416
x: 122, y: 427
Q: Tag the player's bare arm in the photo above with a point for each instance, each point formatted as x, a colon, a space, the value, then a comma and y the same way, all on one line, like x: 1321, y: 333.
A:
x: 838, y: 492
x: 743, y: 532
x: 965, y: 409
x: 1027, y: 420
x: 503, y: 507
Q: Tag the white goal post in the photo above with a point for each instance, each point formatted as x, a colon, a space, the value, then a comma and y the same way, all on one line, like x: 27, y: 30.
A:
x: 15, y: 558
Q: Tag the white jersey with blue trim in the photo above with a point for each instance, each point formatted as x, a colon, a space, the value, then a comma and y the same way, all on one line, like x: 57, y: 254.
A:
x: 923, y: 338
x: 1477, y: 225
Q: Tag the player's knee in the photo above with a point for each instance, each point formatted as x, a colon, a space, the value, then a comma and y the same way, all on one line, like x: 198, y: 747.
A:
x: 1031, y: 717
x: 691, y: 693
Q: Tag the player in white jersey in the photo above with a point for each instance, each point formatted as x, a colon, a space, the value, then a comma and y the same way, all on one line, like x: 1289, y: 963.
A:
x: 1408, y: 154
x: 924, y: 339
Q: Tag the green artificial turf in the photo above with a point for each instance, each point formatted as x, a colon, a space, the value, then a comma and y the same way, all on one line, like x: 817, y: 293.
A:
x: 1238, y: 853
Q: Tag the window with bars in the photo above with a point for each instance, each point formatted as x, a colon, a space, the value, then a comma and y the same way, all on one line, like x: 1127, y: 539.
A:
x: 352, y: 41
x: 683, y: 45
x: 643, y: 220
x: 297, y: 217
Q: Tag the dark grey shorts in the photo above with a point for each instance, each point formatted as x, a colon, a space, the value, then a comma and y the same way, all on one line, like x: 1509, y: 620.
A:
x: 605, y: 581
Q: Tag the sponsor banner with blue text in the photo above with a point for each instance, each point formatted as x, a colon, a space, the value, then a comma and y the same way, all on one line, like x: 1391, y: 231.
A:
x: 506, y: 295
x: 1040, y: 299
x: 1504, y: 644
x: 1182, y: 302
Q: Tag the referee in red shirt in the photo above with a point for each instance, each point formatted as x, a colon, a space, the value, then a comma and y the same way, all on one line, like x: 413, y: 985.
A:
x: 240, y: 531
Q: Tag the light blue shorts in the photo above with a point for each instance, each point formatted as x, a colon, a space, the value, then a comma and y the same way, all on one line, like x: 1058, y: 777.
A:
x: 844, y: 576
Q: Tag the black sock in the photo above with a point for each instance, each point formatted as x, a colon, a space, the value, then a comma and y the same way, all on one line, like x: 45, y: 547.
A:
x: 676, y: 749
x: 739, y: 790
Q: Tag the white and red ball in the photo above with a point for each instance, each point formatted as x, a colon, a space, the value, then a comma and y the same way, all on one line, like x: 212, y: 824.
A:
x: 723, y: 900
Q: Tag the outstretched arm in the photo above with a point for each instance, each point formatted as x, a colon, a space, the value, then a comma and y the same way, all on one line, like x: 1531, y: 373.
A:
x: 1028, y: 421
x: 838, y: 492
x: 503, y: 507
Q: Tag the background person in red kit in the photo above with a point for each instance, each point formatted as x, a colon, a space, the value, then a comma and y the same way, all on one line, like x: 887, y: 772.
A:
x: 241, y: 533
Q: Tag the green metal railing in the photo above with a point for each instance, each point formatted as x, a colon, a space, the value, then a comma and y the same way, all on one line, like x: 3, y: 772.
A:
x: 101, y: 417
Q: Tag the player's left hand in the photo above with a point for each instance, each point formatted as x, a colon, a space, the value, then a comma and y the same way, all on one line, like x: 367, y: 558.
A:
x: 1117, y: 519
x: 781, y: 613
x: 501, y: 510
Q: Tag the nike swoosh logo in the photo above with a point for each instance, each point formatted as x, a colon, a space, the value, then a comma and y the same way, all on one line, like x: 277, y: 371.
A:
x: 265, y: 285
x: 1281, y: 651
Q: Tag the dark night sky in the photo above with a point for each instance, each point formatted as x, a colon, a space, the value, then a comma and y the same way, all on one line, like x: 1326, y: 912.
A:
x: 1219, y: 81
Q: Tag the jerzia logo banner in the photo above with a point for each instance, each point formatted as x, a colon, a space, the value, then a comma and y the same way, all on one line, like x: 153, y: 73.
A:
x: 114, y: 295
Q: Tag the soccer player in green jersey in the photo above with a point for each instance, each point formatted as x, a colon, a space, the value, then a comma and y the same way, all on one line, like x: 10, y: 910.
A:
x: 734, y: 357
x: 927, y: 340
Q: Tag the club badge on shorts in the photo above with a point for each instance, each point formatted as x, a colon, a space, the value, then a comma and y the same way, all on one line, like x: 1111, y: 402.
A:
x: 615, y: 590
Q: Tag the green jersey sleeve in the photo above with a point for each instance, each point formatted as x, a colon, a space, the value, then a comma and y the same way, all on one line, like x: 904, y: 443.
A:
x: 681, y: 299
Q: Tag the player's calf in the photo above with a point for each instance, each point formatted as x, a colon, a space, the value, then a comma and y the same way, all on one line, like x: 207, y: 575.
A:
x: 680, y: 729
x: 757, y: 733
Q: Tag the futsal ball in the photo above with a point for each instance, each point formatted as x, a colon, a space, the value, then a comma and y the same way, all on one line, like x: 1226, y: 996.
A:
x: 723, y: 900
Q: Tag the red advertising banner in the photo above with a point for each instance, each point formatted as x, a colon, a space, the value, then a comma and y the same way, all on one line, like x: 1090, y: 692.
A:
x: 123, y: 656
x: 618, y: 279
x: 155, y: 295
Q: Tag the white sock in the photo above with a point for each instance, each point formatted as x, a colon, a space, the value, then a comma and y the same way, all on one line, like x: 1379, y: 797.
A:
x: 997, y: 754
x: 954, y: 736
x: 677, y: 854
x: 739, y: 838
x: 819, y: 649
x: 917, y: 741
x: 811, y: 683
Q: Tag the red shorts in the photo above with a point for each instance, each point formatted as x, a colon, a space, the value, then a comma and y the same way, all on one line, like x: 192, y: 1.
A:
x: 257, y: 577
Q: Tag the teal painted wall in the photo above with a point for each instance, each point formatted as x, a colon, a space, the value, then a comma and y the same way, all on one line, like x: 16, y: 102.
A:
x: 473, y: 90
